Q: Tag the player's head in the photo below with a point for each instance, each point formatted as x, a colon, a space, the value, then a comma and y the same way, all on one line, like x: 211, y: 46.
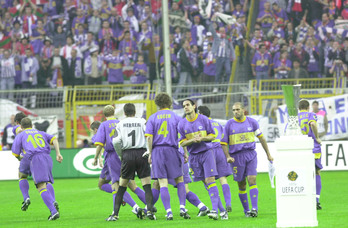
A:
x: 108, y: 111
x: 189, y: 107
x: 94, y: 126
x: 18, y: 117
x: 13, y: 119
x: 129, y: 109
x: 163, y: 100
x: 315, y: 106
x: 26, y: 123
x: 238, y: 110
x: 303, y: 104
x: 204, y: 110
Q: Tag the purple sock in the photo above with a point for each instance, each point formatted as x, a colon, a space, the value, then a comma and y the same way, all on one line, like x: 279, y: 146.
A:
x: 106, y: 188
x: 243, y: 196
x: 193, y: 199
x: 181, y: 195
x: 220, y: 206
x: 165, y: 197
x: 318, y: 186
x: 50, y: 189
x: 141, y: 194
x: 227, y: 194
x: 155, y: 194
x: 254, y: 195
x: 24, y: 187
x: 214, y: 195
x: 48, y: 200
x: 128, y: 199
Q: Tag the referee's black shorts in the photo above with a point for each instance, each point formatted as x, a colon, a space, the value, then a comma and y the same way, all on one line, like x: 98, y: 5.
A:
x: 133, y: 161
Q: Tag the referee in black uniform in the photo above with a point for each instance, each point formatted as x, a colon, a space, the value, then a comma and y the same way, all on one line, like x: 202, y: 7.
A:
x: 130, y: 143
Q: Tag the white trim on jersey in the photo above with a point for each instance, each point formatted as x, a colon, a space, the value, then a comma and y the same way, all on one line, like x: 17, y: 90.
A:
x: 130, y: 134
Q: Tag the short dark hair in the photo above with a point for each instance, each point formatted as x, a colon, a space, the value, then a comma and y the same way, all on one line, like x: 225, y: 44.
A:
x: 204, y: 110
x: 163, y: 100
x: 303, y: 104
x: 95, y: 125
x: 315, y: 102
x: 129, y: 109
x: 19, y: 116
x: 26, y: 123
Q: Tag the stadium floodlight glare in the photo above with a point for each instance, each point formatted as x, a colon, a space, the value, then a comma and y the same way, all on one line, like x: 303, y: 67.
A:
x: 292, y: 97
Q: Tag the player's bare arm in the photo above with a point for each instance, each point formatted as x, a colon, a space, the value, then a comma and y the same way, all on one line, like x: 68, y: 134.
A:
x: 189, y: 142
x: 227, y: 154
x: 314, y: 127
x: 265, y: 147
x: 186, y: 155
x: 97, y: 154
x: 207, y: 138
x: 59, y: 157
x: 149, y: 141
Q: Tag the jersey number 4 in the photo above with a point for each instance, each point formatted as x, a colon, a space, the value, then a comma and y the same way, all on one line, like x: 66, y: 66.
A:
x: 163, y: 129
x: 36, y: 141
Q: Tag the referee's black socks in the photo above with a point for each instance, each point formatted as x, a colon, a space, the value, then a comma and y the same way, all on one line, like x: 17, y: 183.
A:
x: 148, y: 197
x: 119, y: 199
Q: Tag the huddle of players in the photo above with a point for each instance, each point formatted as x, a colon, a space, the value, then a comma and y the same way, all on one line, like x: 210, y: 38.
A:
x: 202, y: 142
x: 198, y: 135
x: 32, y: 148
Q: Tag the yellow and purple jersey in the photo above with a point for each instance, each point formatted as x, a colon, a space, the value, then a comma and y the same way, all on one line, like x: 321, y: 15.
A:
x: 106, y: 132
x: 218, y: 131
x: 32, y: 141
x: 16, y: 129
x: 304, y: 119
x: 162, y: 126
x: 239, y: 135
x: 188, y: 129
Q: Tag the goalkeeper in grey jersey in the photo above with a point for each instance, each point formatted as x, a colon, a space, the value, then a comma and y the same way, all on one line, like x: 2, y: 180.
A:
x: 131, y: 145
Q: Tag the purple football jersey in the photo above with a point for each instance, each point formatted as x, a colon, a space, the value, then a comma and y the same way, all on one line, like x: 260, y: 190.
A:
x: 93, y: 138
x: 32, y: 141
x: 106, y: 132
x: 163, y: 127
x: 240, y: 134
x: 14, y: 129
x: 219, y: 132
x: 305, y: 118
x: 189, y: 129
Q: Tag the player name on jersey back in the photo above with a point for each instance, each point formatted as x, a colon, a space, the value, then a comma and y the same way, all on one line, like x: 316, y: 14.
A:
x: 132, y: 125
x: 131, y: 132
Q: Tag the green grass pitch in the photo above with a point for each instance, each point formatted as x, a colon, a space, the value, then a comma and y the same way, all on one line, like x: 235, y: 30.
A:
x: 82, y: 204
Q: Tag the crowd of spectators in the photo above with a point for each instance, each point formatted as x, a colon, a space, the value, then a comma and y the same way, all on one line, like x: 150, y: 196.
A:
x: 300, y: 39
x: 51, y: 43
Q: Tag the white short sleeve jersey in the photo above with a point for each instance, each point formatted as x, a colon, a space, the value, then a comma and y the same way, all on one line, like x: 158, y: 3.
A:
x: 131, y: 133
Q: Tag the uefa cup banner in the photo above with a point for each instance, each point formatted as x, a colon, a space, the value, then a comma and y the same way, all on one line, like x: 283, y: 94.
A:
x: 336, y: 109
